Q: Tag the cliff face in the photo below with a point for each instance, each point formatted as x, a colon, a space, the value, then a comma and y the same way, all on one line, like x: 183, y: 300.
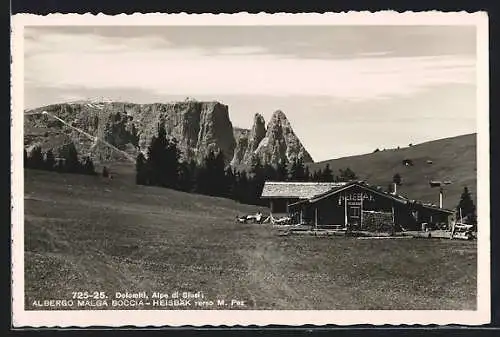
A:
x: 197, y: 126
x: 127, y: 128
x: 248, y: 142
x: 276, y: 144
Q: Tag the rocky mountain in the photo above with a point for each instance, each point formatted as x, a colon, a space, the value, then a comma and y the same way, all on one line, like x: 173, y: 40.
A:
x: 275, y: 144
x: 248, y: 142
x: 115, y: 131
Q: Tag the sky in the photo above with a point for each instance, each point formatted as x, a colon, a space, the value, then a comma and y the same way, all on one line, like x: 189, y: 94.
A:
x: 345, y: 89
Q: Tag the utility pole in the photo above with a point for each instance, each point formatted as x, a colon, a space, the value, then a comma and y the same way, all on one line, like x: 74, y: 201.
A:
x: 345, y: 211
x: 361, y: 213
x: 434, y: 184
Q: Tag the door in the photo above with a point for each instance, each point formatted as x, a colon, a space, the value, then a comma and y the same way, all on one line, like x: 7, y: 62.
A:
x: 353, y: 214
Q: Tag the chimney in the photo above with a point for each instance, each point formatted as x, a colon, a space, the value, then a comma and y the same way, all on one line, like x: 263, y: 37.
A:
x: 440, y: 198
x: 395, y: 189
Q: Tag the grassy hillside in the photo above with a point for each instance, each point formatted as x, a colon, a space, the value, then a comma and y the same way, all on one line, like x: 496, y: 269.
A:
x: 452, y: 159
x: 85, y: 233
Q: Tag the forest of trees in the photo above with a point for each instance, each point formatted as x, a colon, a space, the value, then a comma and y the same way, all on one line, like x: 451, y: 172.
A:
x: 69, y: 163
x: 163, y: 167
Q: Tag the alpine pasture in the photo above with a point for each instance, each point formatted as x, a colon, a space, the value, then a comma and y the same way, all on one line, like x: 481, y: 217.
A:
x: 89, y: 232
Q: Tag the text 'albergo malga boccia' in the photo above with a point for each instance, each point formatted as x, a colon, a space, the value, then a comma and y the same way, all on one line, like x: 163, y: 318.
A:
x: 139, y: 300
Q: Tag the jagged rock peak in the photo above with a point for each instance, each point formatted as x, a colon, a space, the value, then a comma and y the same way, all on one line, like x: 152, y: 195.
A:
x: 247, y: 141
x: 279, y: 123
x: 279, y: 120
x: 278, y: 144
x: 258, y: 131
x: 258, y: 119
x: 279, y: 115
x: 281, y: 142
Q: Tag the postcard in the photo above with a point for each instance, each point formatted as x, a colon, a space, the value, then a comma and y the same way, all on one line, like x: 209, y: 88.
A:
x: 250, y: 169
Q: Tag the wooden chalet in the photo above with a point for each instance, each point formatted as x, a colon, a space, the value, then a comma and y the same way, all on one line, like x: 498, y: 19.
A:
x: 354, y: 204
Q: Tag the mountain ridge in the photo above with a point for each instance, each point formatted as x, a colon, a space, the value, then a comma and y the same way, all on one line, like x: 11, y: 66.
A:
x: 451, y: 159
x: 198, y: 126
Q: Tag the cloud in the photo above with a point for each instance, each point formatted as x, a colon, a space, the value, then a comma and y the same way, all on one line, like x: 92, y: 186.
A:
x: 244, y: 50
x: 57, y: 43
x: 376, y: 53
x: 151, y: 63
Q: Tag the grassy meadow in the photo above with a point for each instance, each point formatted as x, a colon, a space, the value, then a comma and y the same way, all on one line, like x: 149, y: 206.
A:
x: 450, y: 159
x: 91, y: 233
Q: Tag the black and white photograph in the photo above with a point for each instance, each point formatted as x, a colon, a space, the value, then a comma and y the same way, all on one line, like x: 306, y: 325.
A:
x: 262, y: 169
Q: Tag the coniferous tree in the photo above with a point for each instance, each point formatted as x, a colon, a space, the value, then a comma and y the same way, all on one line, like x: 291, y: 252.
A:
x: 297, y: 170
x: 200, y: 178
x: 193, y: 169
x: 256, y: 181
x: 270, y: 173
x: 316, y: 177
x: 236, y: 187
x: 307, y: 175
x: 220, y: 185
x: 185, y: 179
x: 26, y: 161
x: 467, y: 207
x: 49, y: 160
x: 230, y: 183
x: 210, y: 173
x: 141, y: 172
x: 256, y: 166
x: 88, y: 166
x: 281, y: 172
x: 301, y: 170
x: 242, y: 191
x: 170, y: 164
x: 151, y: 163
x: 390, y: 188
x: 35, y: 158
x: 292, y: 169
x: 205, y: 174
x: 347, y: 175
x: 72, y: 164
x: 396, y: 179
x: 326, y: 174
x: 158, y: 158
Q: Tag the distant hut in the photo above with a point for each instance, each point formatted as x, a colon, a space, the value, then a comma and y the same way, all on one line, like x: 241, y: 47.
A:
x: 407, y: 162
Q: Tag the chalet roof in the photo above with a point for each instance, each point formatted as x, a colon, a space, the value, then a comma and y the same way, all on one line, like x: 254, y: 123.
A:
x: 397, y: 198
x: 297, y: 190
x: 373, y: 189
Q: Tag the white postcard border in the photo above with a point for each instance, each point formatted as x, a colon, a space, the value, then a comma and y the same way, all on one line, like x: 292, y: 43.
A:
x: 112, y: 318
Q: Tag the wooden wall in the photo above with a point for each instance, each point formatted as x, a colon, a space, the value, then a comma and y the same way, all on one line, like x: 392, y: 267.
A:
x: 332, y: 211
